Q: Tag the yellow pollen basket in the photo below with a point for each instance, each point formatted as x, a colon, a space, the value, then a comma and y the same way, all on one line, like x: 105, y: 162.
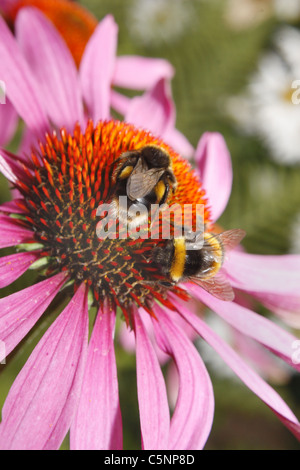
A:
x: 160, y: 189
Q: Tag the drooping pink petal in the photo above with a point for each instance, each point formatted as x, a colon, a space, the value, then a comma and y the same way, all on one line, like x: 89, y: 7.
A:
x: 21, y: 86
x: 43, y: 399
x: 265, y: 363
x: 13, y: 266
x: 251, y: 324
x: 263, y: 273
x: 8, y: 122
x: 154, y: 110
x: 12, y: 232
x: 172, y: 380
x: 12, y: 207
x: 287, y: 307
x: 273, y: 280
x: 11, y: 167
x: 214, y: 164
x: 97, y: 68
x: 140, y: 73
x: 179, y: 142
x: 6, y: 169
x: 98, y: 422
x: 53, y: 66
x: 152, y: 395
x: 119, y: 102
x: 128, y: 342
x: 245, y: 373
x: 20, y: 311
x: 193, y: 416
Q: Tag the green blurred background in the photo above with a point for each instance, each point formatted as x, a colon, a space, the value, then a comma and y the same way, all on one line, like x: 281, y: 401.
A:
x: 213, y: 61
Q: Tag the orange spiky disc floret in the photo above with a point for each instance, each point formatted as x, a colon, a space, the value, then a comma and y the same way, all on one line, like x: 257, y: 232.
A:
x: 74, y: 22
x: 70, y: 175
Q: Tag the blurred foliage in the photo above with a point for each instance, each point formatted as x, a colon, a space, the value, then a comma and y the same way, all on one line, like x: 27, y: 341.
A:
x: 211, y: 62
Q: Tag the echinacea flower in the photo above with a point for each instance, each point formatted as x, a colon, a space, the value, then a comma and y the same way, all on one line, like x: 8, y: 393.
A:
x: 69, y: 382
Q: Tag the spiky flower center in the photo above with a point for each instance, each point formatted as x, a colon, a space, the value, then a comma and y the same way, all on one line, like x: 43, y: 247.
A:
x: 69, y: 177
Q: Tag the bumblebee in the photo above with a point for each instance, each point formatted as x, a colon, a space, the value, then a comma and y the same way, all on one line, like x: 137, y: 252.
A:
x: 145, y: 176
x: 200, y: 266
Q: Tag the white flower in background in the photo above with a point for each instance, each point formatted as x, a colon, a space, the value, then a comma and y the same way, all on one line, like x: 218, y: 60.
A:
x: 288, y: 10
x: 242, y: 14
x: 268, y: 108
x: 157, y: 21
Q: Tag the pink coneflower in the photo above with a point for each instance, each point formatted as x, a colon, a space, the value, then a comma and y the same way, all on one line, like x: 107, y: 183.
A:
x: 68, y: 382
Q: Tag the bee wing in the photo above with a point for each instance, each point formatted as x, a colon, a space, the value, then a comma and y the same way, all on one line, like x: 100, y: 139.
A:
x: 218, y: 286
x: 140, y: 183
x: 231, y: 238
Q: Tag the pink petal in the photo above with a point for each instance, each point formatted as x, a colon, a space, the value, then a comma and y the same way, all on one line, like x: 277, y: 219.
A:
x: 172, y: 136
x: 245, y: 373
x: 119, y: 102
x: 172, y: 380
x: 154, y: 110
x: 97, y: 68
x: 53, y: 66
x: 21, y: 86
x: 8, y: 122
x: 11, y: 167
x: 126, y: 338
x: 20, y: 311
x: 41, y: 403
x: 6, y: 169
x: 13, y: 233
x: 269, y: 274
x: 262, y: 360
x: 214, y: 163
x: 179, y: 142
x: 12, y: 207
x: 193, y: 416
x: 140, y: 73
x: 152, y: 395
x: 7, y: 5
x: 13, y: 266
x: 251, y: 324
x: 287, y: 307
x: 128, y: 342
x: 98, y: 422
x: 273, y: 280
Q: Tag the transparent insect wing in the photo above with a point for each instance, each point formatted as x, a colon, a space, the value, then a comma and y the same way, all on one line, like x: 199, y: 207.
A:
x: 218, y: 286
x: 231, y: 238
